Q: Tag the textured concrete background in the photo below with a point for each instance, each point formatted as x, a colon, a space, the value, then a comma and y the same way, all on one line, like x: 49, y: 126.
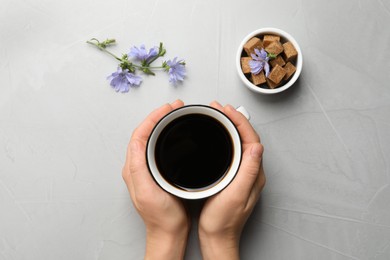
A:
x: 64, y: 131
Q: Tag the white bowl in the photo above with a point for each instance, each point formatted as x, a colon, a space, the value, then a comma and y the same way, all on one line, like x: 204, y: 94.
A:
x: 298, y: 64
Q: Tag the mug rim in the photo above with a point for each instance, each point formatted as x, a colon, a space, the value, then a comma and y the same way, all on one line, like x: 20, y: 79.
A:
x: 213, y: 188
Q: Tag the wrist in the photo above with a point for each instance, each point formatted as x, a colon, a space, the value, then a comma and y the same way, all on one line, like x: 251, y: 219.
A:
x: 161, y: 245
x: 221, y: 246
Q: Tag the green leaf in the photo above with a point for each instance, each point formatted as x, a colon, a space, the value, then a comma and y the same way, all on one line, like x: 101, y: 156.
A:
x: 148, y: 71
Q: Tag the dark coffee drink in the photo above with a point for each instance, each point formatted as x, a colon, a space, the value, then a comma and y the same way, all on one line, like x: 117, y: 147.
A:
x: 194, y: 151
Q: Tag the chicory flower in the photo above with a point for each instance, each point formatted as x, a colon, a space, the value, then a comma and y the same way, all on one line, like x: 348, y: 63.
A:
x: 122, y: 80
x: 259, y: 62
x: 142, y: 54
x: 176, y: 70
x: 125, y: 78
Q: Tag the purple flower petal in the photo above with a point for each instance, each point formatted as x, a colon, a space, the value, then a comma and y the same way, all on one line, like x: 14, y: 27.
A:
x: 257, y: 53
x: 266, y: 69
x: 256, y: 66
x: 122, y: 80
x: 142, y: 54
x: 133, y: 79
x: 254, y: 56
x: 263, y: 54
x: 176, y: 71
x: 259, y: 62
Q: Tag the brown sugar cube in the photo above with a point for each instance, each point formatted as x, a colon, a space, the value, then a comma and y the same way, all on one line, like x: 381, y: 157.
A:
x: 245, y: 65
x: 252, y: 44
x: 290, y: 69
x: 290, y: 52
x: 271, y: 84
x: 258, y: 79
x: 278, y: 60
x: 270, y: 38
x: 277, y: 74
x: 274, y: 47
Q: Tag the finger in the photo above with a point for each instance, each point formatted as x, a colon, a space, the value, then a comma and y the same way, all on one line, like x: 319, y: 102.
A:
x: 256, y: 189
x: 129, y: 167
x: 129, y: 183
x: 177, y: 104
x: 247, y: 132
x: 248, y: 172
x: 261, y: 179
x: 216, y: 105
x: 137, y: 159
x: 140, y: 178
x: 127, y: 177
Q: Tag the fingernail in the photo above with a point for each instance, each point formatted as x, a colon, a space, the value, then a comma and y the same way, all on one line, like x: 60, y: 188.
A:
x: 229, y: 107
x: 176, y: 102
x: 257, y: 150
x: 215, y: 102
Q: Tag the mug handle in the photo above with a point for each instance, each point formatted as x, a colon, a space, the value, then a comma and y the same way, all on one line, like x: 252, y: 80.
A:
x: 243, y: 111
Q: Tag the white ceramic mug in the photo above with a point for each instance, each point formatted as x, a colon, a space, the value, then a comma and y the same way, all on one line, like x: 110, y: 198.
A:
x: 229, y: 174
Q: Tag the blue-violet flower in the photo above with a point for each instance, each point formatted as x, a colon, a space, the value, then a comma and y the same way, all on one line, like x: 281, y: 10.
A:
x: 125, y: 78
x: 122, y: 80
x: 176, y: 70
x: 259, y: 62
x: 142, y: 54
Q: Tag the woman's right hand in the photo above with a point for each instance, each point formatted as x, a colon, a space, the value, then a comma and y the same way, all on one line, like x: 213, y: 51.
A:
x: 224, y: 215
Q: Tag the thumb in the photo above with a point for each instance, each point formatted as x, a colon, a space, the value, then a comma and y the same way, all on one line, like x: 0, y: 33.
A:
x: 140, y: 176
x: 249, y: 169
x: 134, y: 161
x: 136, y: 156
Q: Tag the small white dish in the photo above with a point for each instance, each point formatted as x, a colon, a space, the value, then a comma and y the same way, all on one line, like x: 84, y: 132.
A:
x: 287, y: 37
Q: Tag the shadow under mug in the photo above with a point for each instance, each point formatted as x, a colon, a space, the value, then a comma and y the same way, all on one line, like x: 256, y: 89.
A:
x: 171, y: 129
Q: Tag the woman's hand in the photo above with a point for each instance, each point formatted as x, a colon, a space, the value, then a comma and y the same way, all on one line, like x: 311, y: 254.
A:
x: 224, y: 215
x: 166, y: 220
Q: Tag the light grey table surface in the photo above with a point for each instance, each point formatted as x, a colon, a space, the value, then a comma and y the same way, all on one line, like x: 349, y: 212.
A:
x: 64, y: 131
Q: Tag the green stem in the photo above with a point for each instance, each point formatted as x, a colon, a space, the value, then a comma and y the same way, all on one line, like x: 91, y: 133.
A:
x: 147, y: 67
x: 161, y: 52
x: 153, y: 59
x: 103, y: 49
